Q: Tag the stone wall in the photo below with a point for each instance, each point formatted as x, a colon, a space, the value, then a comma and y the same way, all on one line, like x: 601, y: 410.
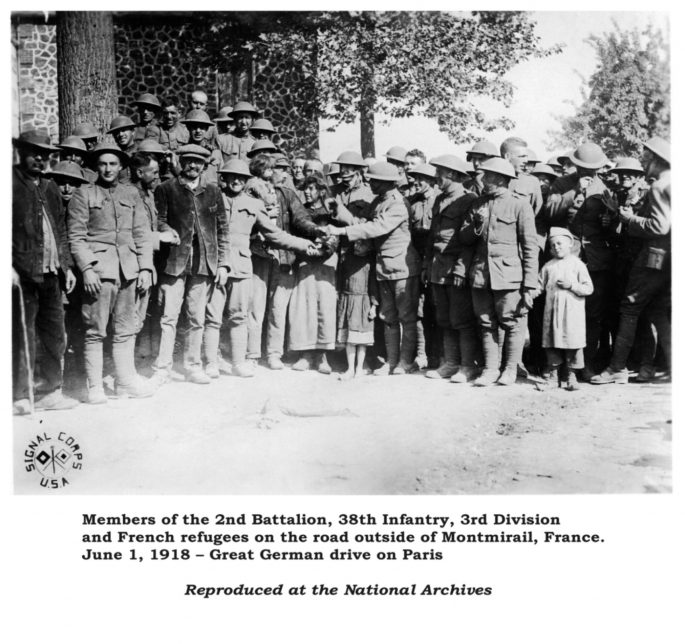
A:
x: 37, y: 77
x: 151, y: 57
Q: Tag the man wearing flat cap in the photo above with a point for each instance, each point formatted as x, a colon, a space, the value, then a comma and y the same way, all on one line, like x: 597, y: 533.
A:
x: 110, y: 239
x: 42, y: 269
x: 238, y: 143
x: 187, y: 271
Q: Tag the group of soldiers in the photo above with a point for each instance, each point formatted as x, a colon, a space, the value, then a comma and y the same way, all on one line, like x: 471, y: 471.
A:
x: 192, y: 227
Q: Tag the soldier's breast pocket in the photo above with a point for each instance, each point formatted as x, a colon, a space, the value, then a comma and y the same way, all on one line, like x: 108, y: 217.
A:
x: 509, y: 268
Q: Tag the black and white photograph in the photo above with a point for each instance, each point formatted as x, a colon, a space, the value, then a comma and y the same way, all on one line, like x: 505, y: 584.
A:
x: 337, y: 323
x: 342, y: 252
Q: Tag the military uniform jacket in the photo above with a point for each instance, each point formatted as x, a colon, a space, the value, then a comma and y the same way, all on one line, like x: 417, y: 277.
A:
x: 527, y: 187
x: 446, y: 256
x: 355, y: 199
x: 505, y: 245
x: 388, y: 227
x: 28, y: 200
x: 597, y: 243
x: 174, y: 137
x: 653, y: 225
x: 234, y: 147
x: 149, y: 131
x: 245, y: 214
x: 110, y: 231
x: 178, y: 207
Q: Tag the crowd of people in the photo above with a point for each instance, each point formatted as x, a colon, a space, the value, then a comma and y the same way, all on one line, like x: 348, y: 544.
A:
x: 204, y: 237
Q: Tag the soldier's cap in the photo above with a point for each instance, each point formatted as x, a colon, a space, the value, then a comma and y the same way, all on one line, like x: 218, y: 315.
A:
x: 486, y: 148
x: 223, y: 116
x: 333, y: 169
x: 588, y: 155
x: 281, y: 161
x: 198, y: 117
x: 194, y: 152
x: 499, y: 166
x: 244, y: 106
x: 150, y: 146
x: 384, y: 171
x: 67, y: 170
x: 423, y: 169
x: 543, y: 168
x: 85, y: 131
x: 73, y: 143
x: 450, y: 162
x: 532, y: 157
x: 661, y: 147
x: 351, y: 158
x: 34, y: 139
x: 263, y: 125
x: 236, y: 166
x: 107, y: 148
x: 396, y: 153
x: 565, y: 158
x: 557, y: 231
x: 149, y: 100
x: 554, y: 161
x: 261, y: 147
x: 628, y: 164
x: 121, y: 123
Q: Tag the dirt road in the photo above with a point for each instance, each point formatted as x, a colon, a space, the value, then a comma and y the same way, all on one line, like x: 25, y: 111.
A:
x: 305, y: 433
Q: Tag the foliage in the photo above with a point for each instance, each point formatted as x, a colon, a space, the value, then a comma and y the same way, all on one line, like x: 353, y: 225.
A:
x: 395, y: 64
x: 627, y: 98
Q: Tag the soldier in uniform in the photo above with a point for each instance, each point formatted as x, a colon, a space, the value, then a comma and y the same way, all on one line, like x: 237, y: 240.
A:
x: 172, y: 133
x: 412, y: 159
x: 122, y: 129
x: 110, y: 239
x: 74, y: 149
x: 223, y: 123
x: 445, y: 268
x: 354, y: 194
x: 576, y: 202
x: 650, y: 278
x: 262, y: 129
x: 41, y: 270
x: 195, y: 210
x: 244, y: 214
x: 237, y: 144
x: 477, y: 155
x: 88, y: 134
x: 398, y: 266
x: 504, y: 269
x: 148, y: 108
x: 198, y: 124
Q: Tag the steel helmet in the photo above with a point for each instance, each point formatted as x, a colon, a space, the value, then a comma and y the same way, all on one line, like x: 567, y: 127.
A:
x: 628, y: 164
x: 333, y: 169
x: 149, y: 100
x: 86, y: 131
x: 67, y: 170
x: 543, y: 168
x: 424, y: 169
x: 351, y: 158
x: 107, y: 148
x: 396, y: 153
x: 451, y: 162
x: 73, y: 143
x: 261, y: 147
x: 197, y: 116
x: 499, y: 166
x: 150, y: 146
x: 384, y: 171
x: 223, y: 116
x: 120, y: 123
x: 264, y: 125
x: 589, y: 155
x: 244, y: 106
x: 483, y: 147
x: 532, y: 157
x: 236, y: 166
x: 660, y: 147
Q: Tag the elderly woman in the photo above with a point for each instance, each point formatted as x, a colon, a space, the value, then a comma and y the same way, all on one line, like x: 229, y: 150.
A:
x: 312, y: 310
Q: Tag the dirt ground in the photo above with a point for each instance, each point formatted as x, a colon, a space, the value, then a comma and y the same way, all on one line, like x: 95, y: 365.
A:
x: 305, y: 433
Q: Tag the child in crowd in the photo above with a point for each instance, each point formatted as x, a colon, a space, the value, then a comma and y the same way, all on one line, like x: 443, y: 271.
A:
x: 357, y: 302
x: 566, y: 282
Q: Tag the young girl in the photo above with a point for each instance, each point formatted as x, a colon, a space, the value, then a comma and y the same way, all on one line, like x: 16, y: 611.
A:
x: 357, y: 302
x: 566, y: 282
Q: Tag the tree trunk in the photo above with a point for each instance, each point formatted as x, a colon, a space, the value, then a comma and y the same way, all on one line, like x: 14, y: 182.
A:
x: 85, y: 69
x: 366, y: 126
